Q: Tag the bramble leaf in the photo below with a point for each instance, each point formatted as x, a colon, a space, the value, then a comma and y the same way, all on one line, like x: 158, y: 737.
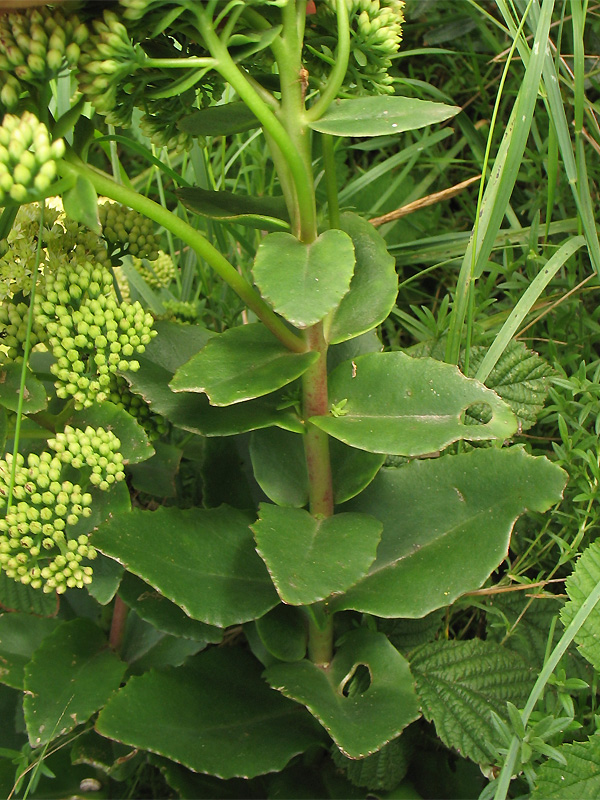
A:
x: 579, y: 585
x: 578, y: 779
x: 461, y: 683
x: 519, y: 378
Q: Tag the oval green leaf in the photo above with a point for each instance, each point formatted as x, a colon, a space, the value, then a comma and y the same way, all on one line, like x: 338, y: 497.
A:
x: 304, y: 282
x: 359, y: 722
x: 392, y: 403
x: 265, y: 213
x: 34, y: 395
x: 70, y: 676
x: 283, y: 631
x: 374, y: 284
x: 221, y: 120
x: 380, y: 116
x: 201, y: 559
x: 81, y: 204
x: 446, y: 526
x: 241, y: 364
x: 279, y: 466
x: 215, y: 714
x: 20, y: 636
x: 309, y: 559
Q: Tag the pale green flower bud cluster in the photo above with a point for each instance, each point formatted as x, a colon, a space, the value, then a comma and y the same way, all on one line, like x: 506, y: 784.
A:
x: 159, y: 273
x: 34, y: 545
x: 35, y: 45
x: 13, y: 324
x: 107, y: 65
x: 181, y: 311
x: 96, y: 448
x: 127, y: 231
x: 92, y: 336
x: 154, y: 424
x: 27, y: 158
x: 376, y: 34
x: 160, y: 118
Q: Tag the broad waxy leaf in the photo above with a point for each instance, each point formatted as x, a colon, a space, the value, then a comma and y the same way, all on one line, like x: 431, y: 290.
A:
x: 20, y: 636
x: 283, y: 631
x: 221, y: 120
x: 279, y: 466
x: 215, y: 714
x: 380, y: 116
x: 304, y: 282
x: 135, y: 445
x: 241, y: 364
x: 373, y: 287
x: 164, y: 615
x: 174, y: 345
x: 144, y: 647
x: 201, y: 559
x: 436, y: 514
x: 461, y: 683
x: 34, y: 395
x: 579, y: 585
x: 360, y: 722
x: 266, y: 213
x: 309, y: 559
x: 392, y: 403
x: 578, y: 779
x: 71, y: 675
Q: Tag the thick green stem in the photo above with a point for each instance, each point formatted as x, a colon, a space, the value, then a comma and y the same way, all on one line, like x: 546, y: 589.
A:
x: 320, y: 636
x: 280, y: 134
x: 315, y: 402
x: 338, y: 73
x: 104, y: 185
x: 333, y: 206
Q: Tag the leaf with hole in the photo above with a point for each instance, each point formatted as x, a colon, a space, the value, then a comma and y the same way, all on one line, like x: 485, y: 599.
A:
x: 208, y: 708
x: 241, y: 364
x: 309, y: 559
x: 373, y: 287
x: 304, y: 282
x: 201, y: 559
x: 436, y: 514
x: 364, y: 698
x: 408, y: 406
x: 381, y: 116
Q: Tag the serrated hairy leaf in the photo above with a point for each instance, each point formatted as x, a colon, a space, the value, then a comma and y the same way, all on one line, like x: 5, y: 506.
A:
x: 578, y: 779
x: 579, y: 586
x: 461, y: 683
